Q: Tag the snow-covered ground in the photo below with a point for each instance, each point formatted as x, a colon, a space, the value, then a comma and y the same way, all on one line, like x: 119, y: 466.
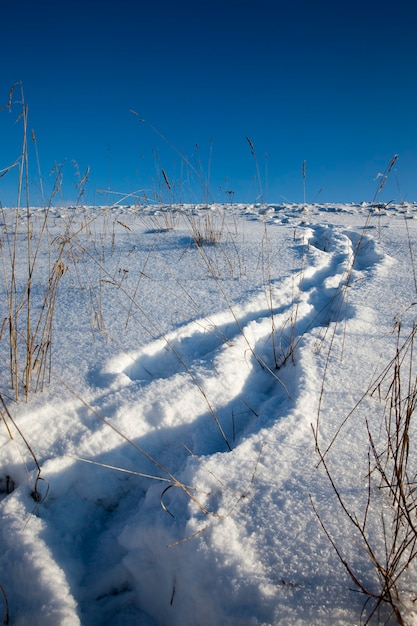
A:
x: 199, y: 371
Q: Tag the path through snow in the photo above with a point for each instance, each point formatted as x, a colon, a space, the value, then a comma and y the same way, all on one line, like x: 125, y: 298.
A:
x: 214, y: 525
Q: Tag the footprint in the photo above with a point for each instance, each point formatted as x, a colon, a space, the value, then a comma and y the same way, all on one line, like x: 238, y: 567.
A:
x: 366, y: 249
x: 176, y: 352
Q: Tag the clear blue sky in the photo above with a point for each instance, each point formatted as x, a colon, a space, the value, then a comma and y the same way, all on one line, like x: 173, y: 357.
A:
x: 330, y: 83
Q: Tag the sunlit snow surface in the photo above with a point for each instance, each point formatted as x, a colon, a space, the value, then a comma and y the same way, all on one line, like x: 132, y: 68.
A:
x: 186, y: 352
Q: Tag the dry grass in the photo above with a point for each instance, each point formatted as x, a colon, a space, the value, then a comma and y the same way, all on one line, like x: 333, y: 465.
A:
x: 28, y: 326
x: 389, y: 491
x: 167, y: 475
x: 383, y: 517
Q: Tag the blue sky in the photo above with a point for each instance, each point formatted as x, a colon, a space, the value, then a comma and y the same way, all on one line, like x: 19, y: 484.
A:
x: 330, y: 83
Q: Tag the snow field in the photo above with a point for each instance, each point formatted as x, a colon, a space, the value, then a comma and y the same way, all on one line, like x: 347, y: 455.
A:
x: 172, y: 346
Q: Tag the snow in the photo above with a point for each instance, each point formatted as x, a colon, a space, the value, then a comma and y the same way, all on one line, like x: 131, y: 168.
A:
x: 199, y: 371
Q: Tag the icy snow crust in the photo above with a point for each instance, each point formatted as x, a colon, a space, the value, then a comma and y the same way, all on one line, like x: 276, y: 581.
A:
x: 171, y: 344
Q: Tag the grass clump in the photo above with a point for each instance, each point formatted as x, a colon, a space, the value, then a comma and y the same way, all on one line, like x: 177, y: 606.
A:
x: 30, y: 298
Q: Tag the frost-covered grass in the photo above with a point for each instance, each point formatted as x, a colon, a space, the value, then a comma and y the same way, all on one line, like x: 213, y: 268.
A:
x: 170, y: 470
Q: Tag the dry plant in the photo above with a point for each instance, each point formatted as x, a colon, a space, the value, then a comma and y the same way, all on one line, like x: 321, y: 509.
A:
x: 396, y: 468
x: 304, y: 175
x: 264, y: 365
x: 11, y: 427
x: 284, y: 340
x: 184, y: 159
x: 167, y: 476
x: 258, y: 174
x: 382, y: 177
x: 207, y: 221
x: 383, y: 517
x: 134, y: 310
x: 33, y: 264
x: 267, y: 279
x: 164, y: 216
x: 30, y: 300
x: 161, y: 219
x: 207, y: 224
x: 389, y: 490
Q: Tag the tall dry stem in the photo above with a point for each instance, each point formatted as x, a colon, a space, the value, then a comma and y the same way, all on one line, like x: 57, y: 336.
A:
x: 389, y: 495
